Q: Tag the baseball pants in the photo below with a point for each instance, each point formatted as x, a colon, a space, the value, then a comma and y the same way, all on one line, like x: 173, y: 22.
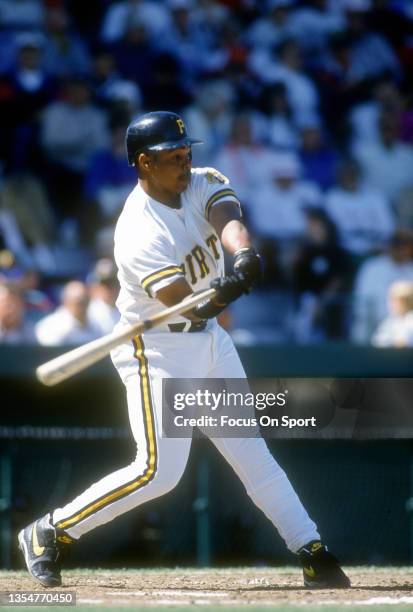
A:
x: 160, y: 462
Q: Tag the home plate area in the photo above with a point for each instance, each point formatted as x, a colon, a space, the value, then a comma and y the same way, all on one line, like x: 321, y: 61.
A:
x: 252, y: 588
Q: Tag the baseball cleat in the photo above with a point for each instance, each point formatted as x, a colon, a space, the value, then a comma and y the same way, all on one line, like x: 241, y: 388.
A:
x: 321, y: 569
x: 42, y: 551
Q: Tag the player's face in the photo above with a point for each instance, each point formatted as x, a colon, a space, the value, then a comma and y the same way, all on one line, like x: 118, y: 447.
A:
x: 172, y: 169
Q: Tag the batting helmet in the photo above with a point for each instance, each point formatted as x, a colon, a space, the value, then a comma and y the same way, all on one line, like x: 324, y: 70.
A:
x: 156, y: 131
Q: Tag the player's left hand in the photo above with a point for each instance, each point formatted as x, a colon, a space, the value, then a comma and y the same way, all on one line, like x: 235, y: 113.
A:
x: 247, y: 263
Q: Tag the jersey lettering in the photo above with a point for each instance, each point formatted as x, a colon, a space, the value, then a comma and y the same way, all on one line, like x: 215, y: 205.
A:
x: 199, y: 257
x: 191, y: 269
x: 212, y: 242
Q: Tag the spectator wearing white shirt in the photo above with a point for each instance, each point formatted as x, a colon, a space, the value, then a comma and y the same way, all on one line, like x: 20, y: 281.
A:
x: 104, y: 290
x: 72, y: 130
x: 363, y: 215
x: 14, y: 328
x: 371, y: 55
x: 153, y: 15
x: 364, y: 117
x: 313, y: 23
x: 277, y: 210
x: 287, y: 68
x: 70, y: 323
x: 210, y: 117
x: 373, y: 281
x: 387, y: 162
x: 279, y: 121
x: 396, y: 330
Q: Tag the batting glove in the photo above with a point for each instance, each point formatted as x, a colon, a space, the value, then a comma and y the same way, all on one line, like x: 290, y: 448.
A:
x: 228, y: 288
x: 247, y: 263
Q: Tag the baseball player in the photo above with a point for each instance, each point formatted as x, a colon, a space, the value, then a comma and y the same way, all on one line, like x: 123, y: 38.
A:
x: 169, y: 243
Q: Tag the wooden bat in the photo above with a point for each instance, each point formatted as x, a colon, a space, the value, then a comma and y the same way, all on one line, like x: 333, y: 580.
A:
x: 74, y: 361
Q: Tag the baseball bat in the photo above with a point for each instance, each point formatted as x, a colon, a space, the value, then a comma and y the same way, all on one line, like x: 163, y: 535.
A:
x: 56, y: 370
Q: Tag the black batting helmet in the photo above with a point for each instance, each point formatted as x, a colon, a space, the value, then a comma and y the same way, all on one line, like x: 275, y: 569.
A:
x: 157, y: 131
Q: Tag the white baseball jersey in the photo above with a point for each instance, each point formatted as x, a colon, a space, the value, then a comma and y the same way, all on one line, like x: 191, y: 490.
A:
x: 156, y: 244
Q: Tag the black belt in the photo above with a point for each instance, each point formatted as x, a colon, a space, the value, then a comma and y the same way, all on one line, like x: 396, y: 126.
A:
x: 182, y: 327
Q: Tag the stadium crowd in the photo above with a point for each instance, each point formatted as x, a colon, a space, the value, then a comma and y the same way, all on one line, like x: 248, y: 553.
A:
x: 307, y: 106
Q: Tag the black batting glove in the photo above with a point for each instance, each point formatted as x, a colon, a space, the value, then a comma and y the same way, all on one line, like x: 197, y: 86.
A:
x: 228, y: 288
x: 247, y: 263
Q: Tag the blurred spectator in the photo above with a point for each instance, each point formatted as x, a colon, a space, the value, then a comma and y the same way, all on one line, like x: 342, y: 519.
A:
x: 65, y: 51
x: 72, y: 131
x: 167, y: 83
x: 234, y: 159
x: 154, y: 16
x: 387, y: 163
x: 213, y: 13
x: 277, y: 209
x: 10, y: 270
x: 312, y: 24
x: 280, y: 130
x: 320, y: 277
x: 20, y: 14
x: 404, y: 208
x: 28, y: 222
x: 318, y: 158
x: 187, y: 38
x: 356, y: 59
x: 210, y: 118
x: 373, y: 281
x: 104, y: 290
x: 363, y: 216
x: 273, y: 28
x: 14, y: 328
x: 124, y: 101
x: 122, y: 98
x: 364, y: 117
x: 87, y: 23
x: 370, y: 55
x: 134, y: 55
x: 108, y: 182
x: 70, y: 323
x: 397, y: 329
x: 229, y: 54
x: 288, y: 69
x: 24, y: 91
x: 104, y: 74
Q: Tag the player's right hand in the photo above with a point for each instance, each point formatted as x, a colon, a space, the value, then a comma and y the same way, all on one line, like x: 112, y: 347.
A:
x: 229, y: 288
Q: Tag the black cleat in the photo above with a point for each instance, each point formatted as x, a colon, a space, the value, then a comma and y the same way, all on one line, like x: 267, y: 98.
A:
x: 42, y: 551
x: 321, y: 569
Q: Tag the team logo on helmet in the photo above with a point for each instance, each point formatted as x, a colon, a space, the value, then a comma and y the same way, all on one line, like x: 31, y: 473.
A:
x: 181, y: 126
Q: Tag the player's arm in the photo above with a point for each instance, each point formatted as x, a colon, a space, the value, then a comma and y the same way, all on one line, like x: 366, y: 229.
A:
x: 228, y: 289
x: 225, y: 218
x: 176, y: 292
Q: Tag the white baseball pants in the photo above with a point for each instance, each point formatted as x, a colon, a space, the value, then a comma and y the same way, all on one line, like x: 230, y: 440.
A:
x: 160, y: 462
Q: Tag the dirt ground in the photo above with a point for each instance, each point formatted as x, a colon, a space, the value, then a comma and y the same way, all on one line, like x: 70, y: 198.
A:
x: 223, y: 587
